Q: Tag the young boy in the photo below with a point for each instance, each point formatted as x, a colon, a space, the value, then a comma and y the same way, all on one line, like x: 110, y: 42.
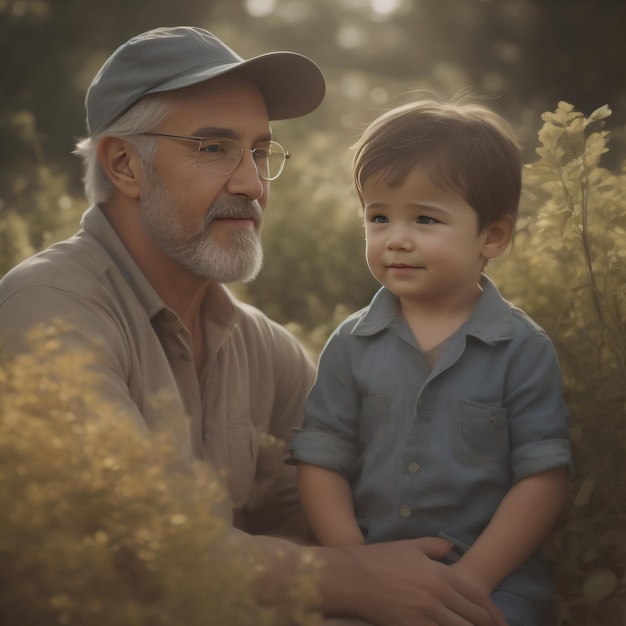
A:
x: 438, y: 408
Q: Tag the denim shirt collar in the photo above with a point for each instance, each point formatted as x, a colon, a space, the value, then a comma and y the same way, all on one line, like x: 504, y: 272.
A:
x: 491, y: 320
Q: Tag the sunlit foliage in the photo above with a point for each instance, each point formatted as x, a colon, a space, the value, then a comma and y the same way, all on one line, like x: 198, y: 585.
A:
x: 568, y: 270
x: 103, y: 525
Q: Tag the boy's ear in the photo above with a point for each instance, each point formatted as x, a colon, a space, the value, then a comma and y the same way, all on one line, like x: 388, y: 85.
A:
x: 498, y: 236
x: 121, y: 163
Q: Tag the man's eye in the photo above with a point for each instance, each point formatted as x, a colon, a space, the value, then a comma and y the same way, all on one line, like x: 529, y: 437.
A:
x: 212, y: 147
x: 424, y: 219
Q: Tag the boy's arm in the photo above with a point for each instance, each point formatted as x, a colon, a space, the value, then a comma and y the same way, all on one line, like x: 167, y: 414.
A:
x: 327, y: 502
x: 522, y: 521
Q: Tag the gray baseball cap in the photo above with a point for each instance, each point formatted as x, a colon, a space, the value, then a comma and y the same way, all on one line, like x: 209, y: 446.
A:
x: 164, y: 59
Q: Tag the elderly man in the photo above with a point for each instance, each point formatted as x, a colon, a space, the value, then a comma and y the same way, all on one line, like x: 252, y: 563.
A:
x: 178, y: 163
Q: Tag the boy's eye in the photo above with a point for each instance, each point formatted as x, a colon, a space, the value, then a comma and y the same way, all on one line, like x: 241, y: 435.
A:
x: 424, y: 219
x: 379, y: 219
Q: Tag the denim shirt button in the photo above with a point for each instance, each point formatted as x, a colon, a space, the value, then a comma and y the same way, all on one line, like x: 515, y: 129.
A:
x: 405, y: 511
x: 413, y: 467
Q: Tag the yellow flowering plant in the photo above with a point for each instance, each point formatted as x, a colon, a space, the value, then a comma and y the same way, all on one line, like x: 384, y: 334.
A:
x: 101, y: 524
x: 568, y: 270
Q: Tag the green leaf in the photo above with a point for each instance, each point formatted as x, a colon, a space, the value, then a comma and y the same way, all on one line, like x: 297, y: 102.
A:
x: 584, y: 492
x: 598, y: 586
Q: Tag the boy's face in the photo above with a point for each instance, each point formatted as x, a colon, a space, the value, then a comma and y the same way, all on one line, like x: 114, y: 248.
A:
x: 423, y: 242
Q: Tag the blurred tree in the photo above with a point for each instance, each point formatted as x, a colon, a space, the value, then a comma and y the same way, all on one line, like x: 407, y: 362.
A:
x: 526, y: 54
x: 523, y: 53
x: 55, y: 49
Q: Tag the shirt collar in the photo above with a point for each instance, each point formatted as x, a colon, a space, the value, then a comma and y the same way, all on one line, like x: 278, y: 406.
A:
x: 492, y: 318
x: 490, y: 321
x: 218, y: 302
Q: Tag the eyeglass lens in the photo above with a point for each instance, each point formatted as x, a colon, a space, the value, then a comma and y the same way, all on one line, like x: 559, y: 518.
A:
x: 223, y: 155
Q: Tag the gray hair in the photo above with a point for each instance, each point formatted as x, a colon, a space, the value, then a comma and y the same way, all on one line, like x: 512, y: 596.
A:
x: 141, y: 117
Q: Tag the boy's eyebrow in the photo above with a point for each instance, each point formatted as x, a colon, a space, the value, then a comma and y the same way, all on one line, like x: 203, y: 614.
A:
x: 379, y: 206
x: 428, y: 207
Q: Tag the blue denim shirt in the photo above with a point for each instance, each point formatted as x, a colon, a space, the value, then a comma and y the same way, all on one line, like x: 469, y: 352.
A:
x: 433, y: 452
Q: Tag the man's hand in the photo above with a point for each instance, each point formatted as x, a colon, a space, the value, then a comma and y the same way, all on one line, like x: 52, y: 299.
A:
x: 471, y: 575
x: 401, y: 583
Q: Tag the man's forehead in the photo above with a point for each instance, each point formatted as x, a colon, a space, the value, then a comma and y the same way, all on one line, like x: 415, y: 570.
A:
x: 232, y: 107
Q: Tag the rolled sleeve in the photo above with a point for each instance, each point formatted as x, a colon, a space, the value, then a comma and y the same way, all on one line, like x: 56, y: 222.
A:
x: 534, y: 458
x: 323, y: 449
x: 538, y: 415
x: 329, y: 437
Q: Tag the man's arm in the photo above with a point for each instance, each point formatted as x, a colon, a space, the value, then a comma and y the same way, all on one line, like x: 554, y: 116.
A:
x: 79, y: 325
x: 327, y: 502
x: 389, y: 584
x: 522, y: 521
x: 282, y: 375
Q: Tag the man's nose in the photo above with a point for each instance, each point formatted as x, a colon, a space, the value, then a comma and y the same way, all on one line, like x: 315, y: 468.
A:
x: 245, y: 179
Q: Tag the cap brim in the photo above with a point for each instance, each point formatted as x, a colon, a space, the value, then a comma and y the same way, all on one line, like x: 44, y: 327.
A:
x: 292, y: 85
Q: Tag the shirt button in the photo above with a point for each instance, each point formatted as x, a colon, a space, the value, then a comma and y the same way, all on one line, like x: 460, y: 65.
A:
x: 405, y: 511
x: 493, y: 419
x: 413, y: 467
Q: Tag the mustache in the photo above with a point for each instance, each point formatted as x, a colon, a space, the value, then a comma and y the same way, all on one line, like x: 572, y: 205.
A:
x: 236, y: 208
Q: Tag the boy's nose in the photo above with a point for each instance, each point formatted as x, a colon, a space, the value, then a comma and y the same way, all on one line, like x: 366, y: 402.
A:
x: 399, y: 239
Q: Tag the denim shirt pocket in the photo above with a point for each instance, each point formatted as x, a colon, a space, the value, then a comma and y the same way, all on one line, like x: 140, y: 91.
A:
x: 483, y: 433
x: 372, y: 422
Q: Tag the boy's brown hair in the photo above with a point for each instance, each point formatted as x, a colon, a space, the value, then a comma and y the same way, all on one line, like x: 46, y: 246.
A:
x: 463, y: 146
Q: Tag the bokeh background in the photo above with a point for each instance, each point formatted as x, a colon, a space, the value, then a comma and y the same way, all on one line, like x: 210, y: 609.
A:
x: 522, y: 56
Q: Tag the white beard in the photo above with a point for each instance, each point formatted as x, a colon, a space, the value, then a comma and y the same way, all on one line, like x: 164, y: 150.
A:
x: 238, y: 260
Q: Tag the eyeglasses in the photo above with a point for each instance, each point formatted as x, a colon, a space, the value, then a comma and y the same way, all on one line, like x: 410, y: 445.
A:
x: 221, y: 155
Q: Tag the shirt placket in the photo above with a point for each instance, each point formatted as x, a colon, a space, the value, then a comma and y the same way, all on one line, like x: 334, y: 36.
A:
x: 418, y: 444
x: 176, y: 343
x: 414, y: 456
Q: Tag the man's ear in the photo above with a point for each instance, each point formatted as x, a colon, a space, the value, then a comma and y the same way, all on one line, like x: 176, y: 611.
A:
x: 498, y: 236
x: 122, y: 164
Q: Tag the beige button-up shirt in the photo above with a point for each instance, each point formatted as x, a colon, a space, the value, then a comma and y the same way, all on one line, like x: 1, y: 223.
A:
x: 250, y: 390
